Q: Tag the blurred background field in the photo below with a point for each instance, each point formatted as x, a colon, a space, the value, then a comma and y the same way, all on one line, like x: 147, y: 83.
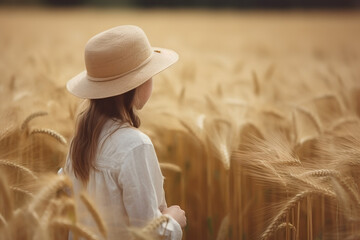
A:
x: 259, y: 119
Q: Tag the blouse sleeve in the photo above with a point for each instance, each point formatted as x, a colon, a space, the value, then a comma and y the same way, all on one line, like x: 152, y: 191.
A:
x: 141, y: 181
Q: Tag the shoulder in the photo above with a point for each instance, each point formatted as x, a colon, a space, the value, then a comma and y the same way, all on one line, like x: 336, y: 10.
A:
x: 124, y: 137
x: 131, y: 136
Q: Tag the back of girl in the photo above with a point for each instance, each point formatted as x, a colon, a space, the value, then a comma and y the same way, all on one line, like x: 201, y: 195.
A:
x: 110, y: 158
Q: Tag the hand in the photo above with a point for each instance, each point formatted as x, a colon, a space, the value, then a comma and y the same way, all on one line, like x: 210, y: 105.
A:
x: 177, y: 213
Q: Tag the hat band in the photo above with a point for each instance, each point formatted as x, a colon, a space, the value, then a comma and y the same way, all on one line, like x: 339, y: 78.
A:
x: 94, y: 79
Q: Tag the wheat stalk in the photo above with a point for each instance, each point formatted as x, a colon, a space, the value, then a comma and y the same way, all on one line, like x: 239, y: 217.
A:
x: 2, y: 221
x: 18, y: 167
x: 25, y: 123
x: 171, y: 167
x: 6, y: 199
x: 50, y: 211
x: 54, y: 186
x: 68, y: 204
x: 220, y: 139
x: 57, y: 136
x: 76, y: 228
x: 290, y: 204
x: 5, y: 132
x: 95, y: 214
x: 223, y: 232
x: 256, y: 83
x: 22, y: 191
x: 190, y: 130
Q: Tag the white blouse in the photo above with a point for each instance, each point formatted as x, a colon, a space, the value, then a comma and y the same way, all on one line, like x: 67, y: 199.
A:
x: 127, y: 185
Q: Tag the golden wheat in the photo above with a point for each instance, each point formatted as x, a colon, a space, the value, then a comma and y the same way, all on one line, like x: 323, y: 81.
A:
x: 57, y: 136
x: 234, y: 106
x: 25, y: 123
x: 77, y: 229
x: 290, y: 204
x: 18, y: 167
x: 6, y: 204
x: 94, y: 213
x: 154, y: 224
x: 22, y: 191
x: 54, y: 186
x: 286, y: 225
x: 171, y: 167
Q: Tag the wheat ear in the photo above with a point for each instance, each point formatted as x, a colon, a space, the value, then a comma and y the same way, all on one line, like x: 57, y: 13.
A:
x: 31, y: 117
x: 290, y: 204
x: 154, y: 224
x: 190, y: 130
x: 68, y: 204
x: 286, y: 225
x: 171, y: 167
x: 76, y: 228
x: 337, y: 175
x: 49, y: 212
x: 310, y: 184
x: 290, y: 162
x: 95, y: 214
x: 18, y: 167
x: 49, y: 191
x: 22, y: 191
x: 57, y: 136
x: 42, y: 231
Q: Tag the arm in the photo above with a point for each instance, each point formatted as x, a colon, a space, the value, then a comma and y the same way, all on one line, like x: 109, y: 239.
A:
x: 142, y: 183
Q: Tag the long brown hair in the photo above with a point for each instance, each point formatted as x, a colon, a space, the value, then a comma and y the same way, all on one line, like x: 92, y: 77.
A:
x: 89, y: 125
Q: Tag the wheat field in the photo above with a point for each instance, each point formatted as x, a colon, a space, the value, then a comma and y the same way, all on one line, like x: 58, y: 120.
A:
x: 256, y: 128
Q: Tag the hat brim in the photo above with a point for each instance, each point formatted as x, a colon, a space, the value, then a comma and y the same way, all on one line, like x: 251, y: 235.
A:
x: 82, y: 87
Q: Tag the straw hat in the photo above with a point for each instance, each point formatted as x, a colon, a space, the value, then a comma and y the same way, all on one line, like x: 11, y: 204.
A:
x: 118, y: 60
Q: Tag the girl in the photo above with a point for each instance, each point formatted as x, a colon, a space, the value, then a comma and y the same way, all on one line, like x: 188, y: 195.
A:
x: 109, y: 157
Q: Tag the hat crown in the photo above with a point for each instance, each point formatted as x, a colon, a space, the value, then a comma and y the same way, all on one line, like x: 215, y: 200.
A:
x: 116, y: 51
